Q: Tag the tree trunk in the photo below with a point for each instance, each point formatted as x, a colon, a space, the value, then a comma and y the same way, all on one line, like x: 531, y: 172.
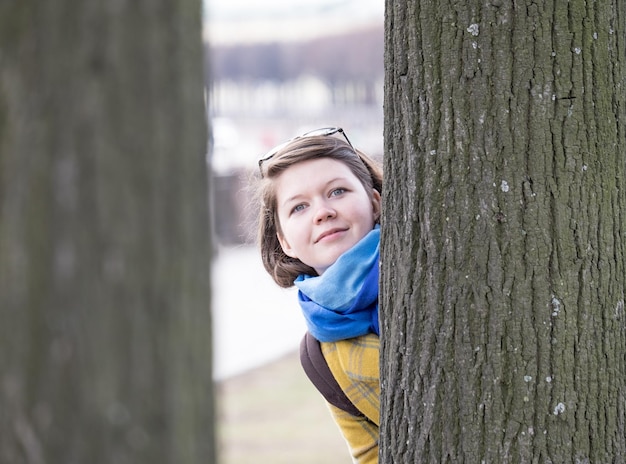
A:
x: 502, y: 296
x: 105, y: 339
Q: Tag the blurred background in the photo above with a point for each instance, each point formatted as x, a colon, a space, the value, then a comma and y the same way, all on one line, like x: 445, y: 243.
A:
x: 276, y: 69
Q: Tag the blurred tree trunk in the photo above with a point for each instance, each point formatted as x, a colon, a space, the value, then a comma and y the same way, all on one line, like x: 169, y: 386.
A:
x: 105, y: 335
x: 503, y: 320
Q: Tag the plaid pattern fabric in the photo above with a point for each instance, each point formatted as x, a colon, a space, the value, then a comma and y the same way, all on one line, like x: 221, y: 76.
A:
x: 354, y: 364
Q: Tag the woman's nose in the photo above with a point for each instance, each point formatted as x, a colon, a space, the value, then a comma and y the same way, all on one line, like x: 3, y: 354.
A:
x: 324, y: 212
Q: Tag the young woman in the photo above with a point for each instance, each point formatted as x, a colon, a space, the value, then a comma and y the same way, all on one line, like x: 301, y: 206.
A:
x: 319, y: 230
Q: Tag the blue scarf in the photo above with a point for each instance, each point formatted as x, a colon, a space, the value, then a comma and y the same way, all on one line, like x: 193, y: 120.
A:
x: 342, y: 303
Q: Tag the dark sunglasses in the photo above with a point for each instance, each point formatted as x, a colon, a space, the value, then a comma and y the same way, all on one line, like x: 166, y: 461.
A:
x: 324, y: 131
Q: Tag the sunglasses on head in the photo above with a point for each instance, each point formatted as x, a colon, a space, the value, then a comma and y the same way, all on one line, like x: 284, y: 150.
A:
x: 324, y: 131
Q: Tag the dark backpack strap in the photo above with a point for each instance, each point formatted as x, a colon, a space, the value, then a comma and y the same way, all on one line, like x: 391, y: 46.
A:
x: 316, y: 368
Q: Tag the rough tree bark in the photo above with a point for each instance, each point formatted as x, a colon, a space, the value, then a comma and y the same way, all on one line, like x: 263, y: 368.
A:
x: 105, y: 346
x: 503, y: 320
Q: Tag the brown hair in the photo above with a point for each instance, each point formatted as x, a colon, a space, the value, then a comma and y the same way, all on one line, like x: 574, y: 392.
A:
x: 281, y: 267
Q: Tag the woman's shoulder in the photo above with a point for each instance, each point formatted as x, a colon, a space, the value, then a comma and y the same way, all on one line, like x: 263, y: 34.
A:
x: 357, y: 357
x: 354, y: 364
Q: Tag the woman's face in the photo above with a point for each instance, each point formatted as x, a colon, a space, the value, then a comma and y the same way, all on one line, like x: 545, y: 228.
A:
x: 323, y: 210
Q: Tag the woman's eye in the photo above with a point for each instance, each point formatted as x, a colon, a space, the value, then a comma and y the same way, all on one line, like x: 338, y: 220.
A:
x: 298, y: 208
x: 337, y: 191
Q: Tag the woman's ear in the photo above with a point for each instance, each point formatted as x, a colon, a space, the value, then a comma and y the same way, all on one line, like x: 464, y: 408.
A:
x: 284, y: 244
x: 376, y: 204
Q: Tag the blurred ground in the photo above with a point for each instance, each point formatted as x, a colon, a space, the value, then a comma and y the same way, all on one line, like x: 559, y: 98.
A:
x: 273, y: 415
x: 268, y: 412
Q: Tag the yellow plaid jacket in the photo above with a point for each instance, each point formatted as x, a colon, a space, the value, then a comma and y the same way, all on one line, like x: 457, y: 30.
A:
x: 354, y: 364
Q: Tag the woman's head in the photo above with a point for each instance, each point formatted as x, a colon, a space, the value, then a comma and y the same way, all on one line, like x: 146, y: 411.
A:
x: 318, y: 195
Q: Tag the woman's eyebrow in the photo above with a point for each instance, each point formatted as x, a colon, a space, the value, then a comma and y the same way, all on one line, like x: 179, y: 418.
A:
x: 300, y: 195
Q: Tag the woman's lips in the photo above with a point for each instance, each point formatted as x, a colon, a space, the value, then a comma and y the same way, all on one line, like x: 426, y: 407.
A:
x: 329, y: 234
